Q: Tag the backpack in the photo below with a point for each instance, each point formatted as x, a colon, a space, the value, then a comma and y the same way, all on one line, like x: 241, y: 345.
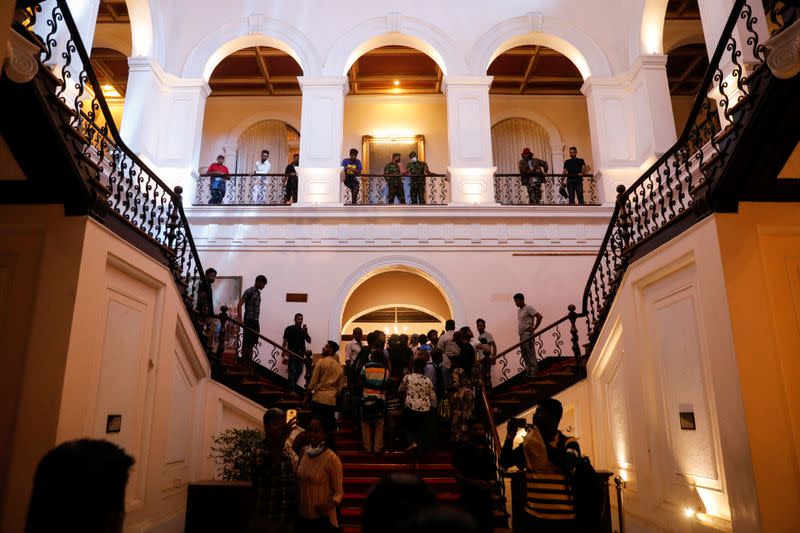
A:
x: 589, y: 492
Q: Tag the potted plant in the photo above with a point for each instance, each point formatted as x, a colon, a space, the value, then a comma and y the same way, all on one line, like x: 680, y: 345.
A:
x: 234, y: 453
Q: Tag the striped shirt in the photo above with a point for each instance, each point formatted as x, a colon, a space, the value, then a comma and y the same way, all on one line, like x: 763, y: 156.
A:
x: 549, y: 497
x: 319, y: 480
x: 374, y: 376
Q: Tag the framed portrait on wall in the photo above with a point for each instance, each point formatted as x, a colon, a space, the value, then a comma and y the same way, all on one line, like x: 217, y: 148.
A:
x: 226, y: 291
x: 377, y: 151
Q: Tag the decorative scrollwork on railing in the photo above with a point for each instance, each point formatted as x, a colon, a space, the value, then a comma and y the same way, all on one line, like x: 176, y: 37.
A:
x: 117, y: 181
x: 509, y: 190
x: 242, y: 189
x: 373, y: 189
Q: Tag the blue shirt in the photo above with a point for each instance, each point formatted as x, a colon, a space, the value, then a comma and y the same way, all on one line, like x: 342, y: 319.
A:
x: 350, y: 167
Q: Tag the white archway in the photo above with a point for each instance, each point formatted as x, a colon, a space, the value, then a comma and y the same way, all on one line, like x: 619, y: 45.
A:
x: 556, y: 142
x: 236, y: 132
x: 386, y: 264
x: 393, y: 29
x: 647, y: 28
x: 536, y: 29
x: 145, y: 38
x: 255, y: 30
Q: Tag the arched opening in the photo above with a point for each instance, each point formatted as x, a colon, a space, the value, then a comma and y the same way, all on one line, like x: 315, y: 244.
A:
x: 111, y: 68
x: 687, y: 57
x: 396, y: 300
x: 254, y: 105
x: 536, y: 102
x: 395, y: 104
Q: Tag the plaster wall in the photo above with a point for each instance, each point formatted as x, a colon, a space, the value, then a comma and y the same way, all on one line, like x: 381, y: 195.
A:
x: 668, y: 348
x: 760, y: 248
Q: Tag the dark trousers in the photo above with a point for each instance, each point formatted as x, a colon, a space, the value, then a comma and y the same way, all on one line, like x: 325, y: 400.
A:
x: 249, y: 340
x: 395, y: 190
x: 478, y: 504
x: 418, y: 190
x: 352, y: 183
x: 534, y: 192
x: 291, y: 189
x: 538, y: 525
x: 295, y: 369
x: 417, y: 427
x: 575, y: 189
x: 217, y: 195
x: 315, y: 525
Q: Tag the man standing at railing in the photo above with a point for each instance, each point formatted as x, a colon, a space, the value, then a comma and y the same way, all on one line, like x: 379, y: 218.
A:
x: 251, y: 300
x: 291, y: 180
x: 417, y: 170
x: 219, y: 175
x: 352, y: 173
x: 262, y: 166
x: 574, y: 168
x: 528, y: 319
x: 532, y: 171
x: 295, y: 338
x: 394, y: 178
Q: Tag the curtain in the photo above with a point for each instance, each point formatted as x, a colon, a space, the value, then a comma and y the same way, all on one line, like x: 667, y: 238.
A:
x: 268, y: 134
x: 510, y: 136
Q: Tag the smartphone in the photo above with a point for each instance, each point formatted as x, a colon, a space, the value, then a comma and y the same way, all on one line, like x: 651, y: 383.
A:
x: 290, y: 414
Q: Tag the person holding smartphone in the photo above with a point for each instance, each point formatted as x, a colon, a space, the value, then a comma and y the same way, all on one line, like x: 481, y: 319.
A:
x: 295, y: 338
x: 274, y: 476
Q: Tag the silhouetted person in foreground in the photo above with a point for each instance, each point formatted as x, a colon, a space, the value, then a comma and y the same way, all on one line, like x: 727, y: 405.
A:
x: 80, y: 486
x: 396, y: 498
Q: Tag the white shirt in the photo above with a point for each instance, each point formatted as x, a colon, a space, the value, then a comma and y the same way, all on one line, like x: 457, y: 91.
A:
x: 263, y: 168
x: 351, y: 350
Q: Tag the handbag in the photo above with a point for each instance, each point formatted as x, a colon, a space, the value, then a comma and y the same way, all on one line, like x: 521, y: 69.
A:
x: 372, y: 408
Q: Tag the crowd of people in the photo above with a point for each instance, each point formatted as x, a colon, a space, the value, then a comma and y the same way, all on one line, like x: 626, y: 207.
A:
x: 298, y: 483
x: 532, y: 172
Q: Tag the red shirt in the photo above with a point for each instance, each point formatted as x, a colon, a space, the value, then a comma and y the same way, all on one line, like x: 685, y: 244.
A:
x: 216, y: 167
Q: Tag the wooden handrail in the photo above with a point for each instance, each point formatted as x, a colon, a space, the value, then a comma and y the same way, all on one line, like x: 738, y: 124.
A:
x: 492, y: 425
x: 223, y: 315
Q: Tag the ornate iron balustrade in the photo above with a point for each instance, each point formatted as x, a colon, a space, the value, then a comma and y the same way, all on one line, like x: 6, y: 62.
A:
x: 119, y: 183
x: 245, y: 189
x: 678, y: 184
x: 509, y: 190
x: 374, y: 190
x: 267, y: 353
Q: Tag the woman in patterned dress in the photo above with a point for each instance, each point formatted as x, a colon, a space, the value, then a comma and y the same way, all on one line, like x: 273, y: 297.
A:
x: 464, y: 378
x: 420, y: 398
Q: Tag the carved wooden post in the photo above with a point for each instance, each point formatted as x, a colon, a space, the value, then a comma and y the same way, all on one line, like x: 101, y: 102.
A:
x: 573, y: 330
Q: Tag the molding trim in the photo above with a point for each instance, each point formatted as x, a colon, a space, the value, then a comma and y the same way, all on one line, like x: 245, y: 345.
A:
x: 21, y: 63
x: 783, y: 57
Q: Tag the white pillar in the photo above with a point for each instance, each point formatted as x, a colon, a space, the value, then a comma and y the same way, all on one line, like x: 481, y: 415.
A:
x: 164, y: 122
x: 469, y: 137
x: 84, y: 13
x: 321, y: 132
x: 631, y: 122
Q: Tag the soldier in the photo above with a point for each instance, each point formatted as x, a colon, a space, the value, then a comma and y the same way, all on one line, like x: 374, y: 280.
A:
x: 417, y: 170
x: 394, y: 179
x: 532, y: 170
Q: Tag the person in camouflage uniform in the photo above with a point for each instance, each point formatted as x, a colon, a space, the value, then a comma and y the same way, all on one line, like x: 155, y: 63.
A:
x: 532, y: 171
x: 417, y: 170
x: 394, y: 178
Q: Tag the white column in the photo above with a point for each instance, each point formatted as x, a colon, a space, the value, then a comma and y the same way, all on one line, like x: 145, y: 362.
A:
x: 84, y: 13
x: 469, y: 138
x: 631, y: 122
x: 321, y: 131
x: 164, y: 122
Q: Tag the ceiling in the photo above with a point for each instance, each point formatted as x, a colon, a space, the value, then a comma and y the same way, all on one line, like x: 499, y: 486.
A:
x: 395, y: 70
x: 111, y: 68
x: 256, y: 71
x: 113, y: 12
x: 534, y: 70
x: 686, y: 66
x: 683, y: 10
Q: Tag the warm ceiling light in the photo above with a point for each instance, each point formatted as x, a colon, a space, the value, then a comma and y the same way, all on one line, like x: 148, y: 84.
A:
x: 109, y: 91
x: 397, y: 82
